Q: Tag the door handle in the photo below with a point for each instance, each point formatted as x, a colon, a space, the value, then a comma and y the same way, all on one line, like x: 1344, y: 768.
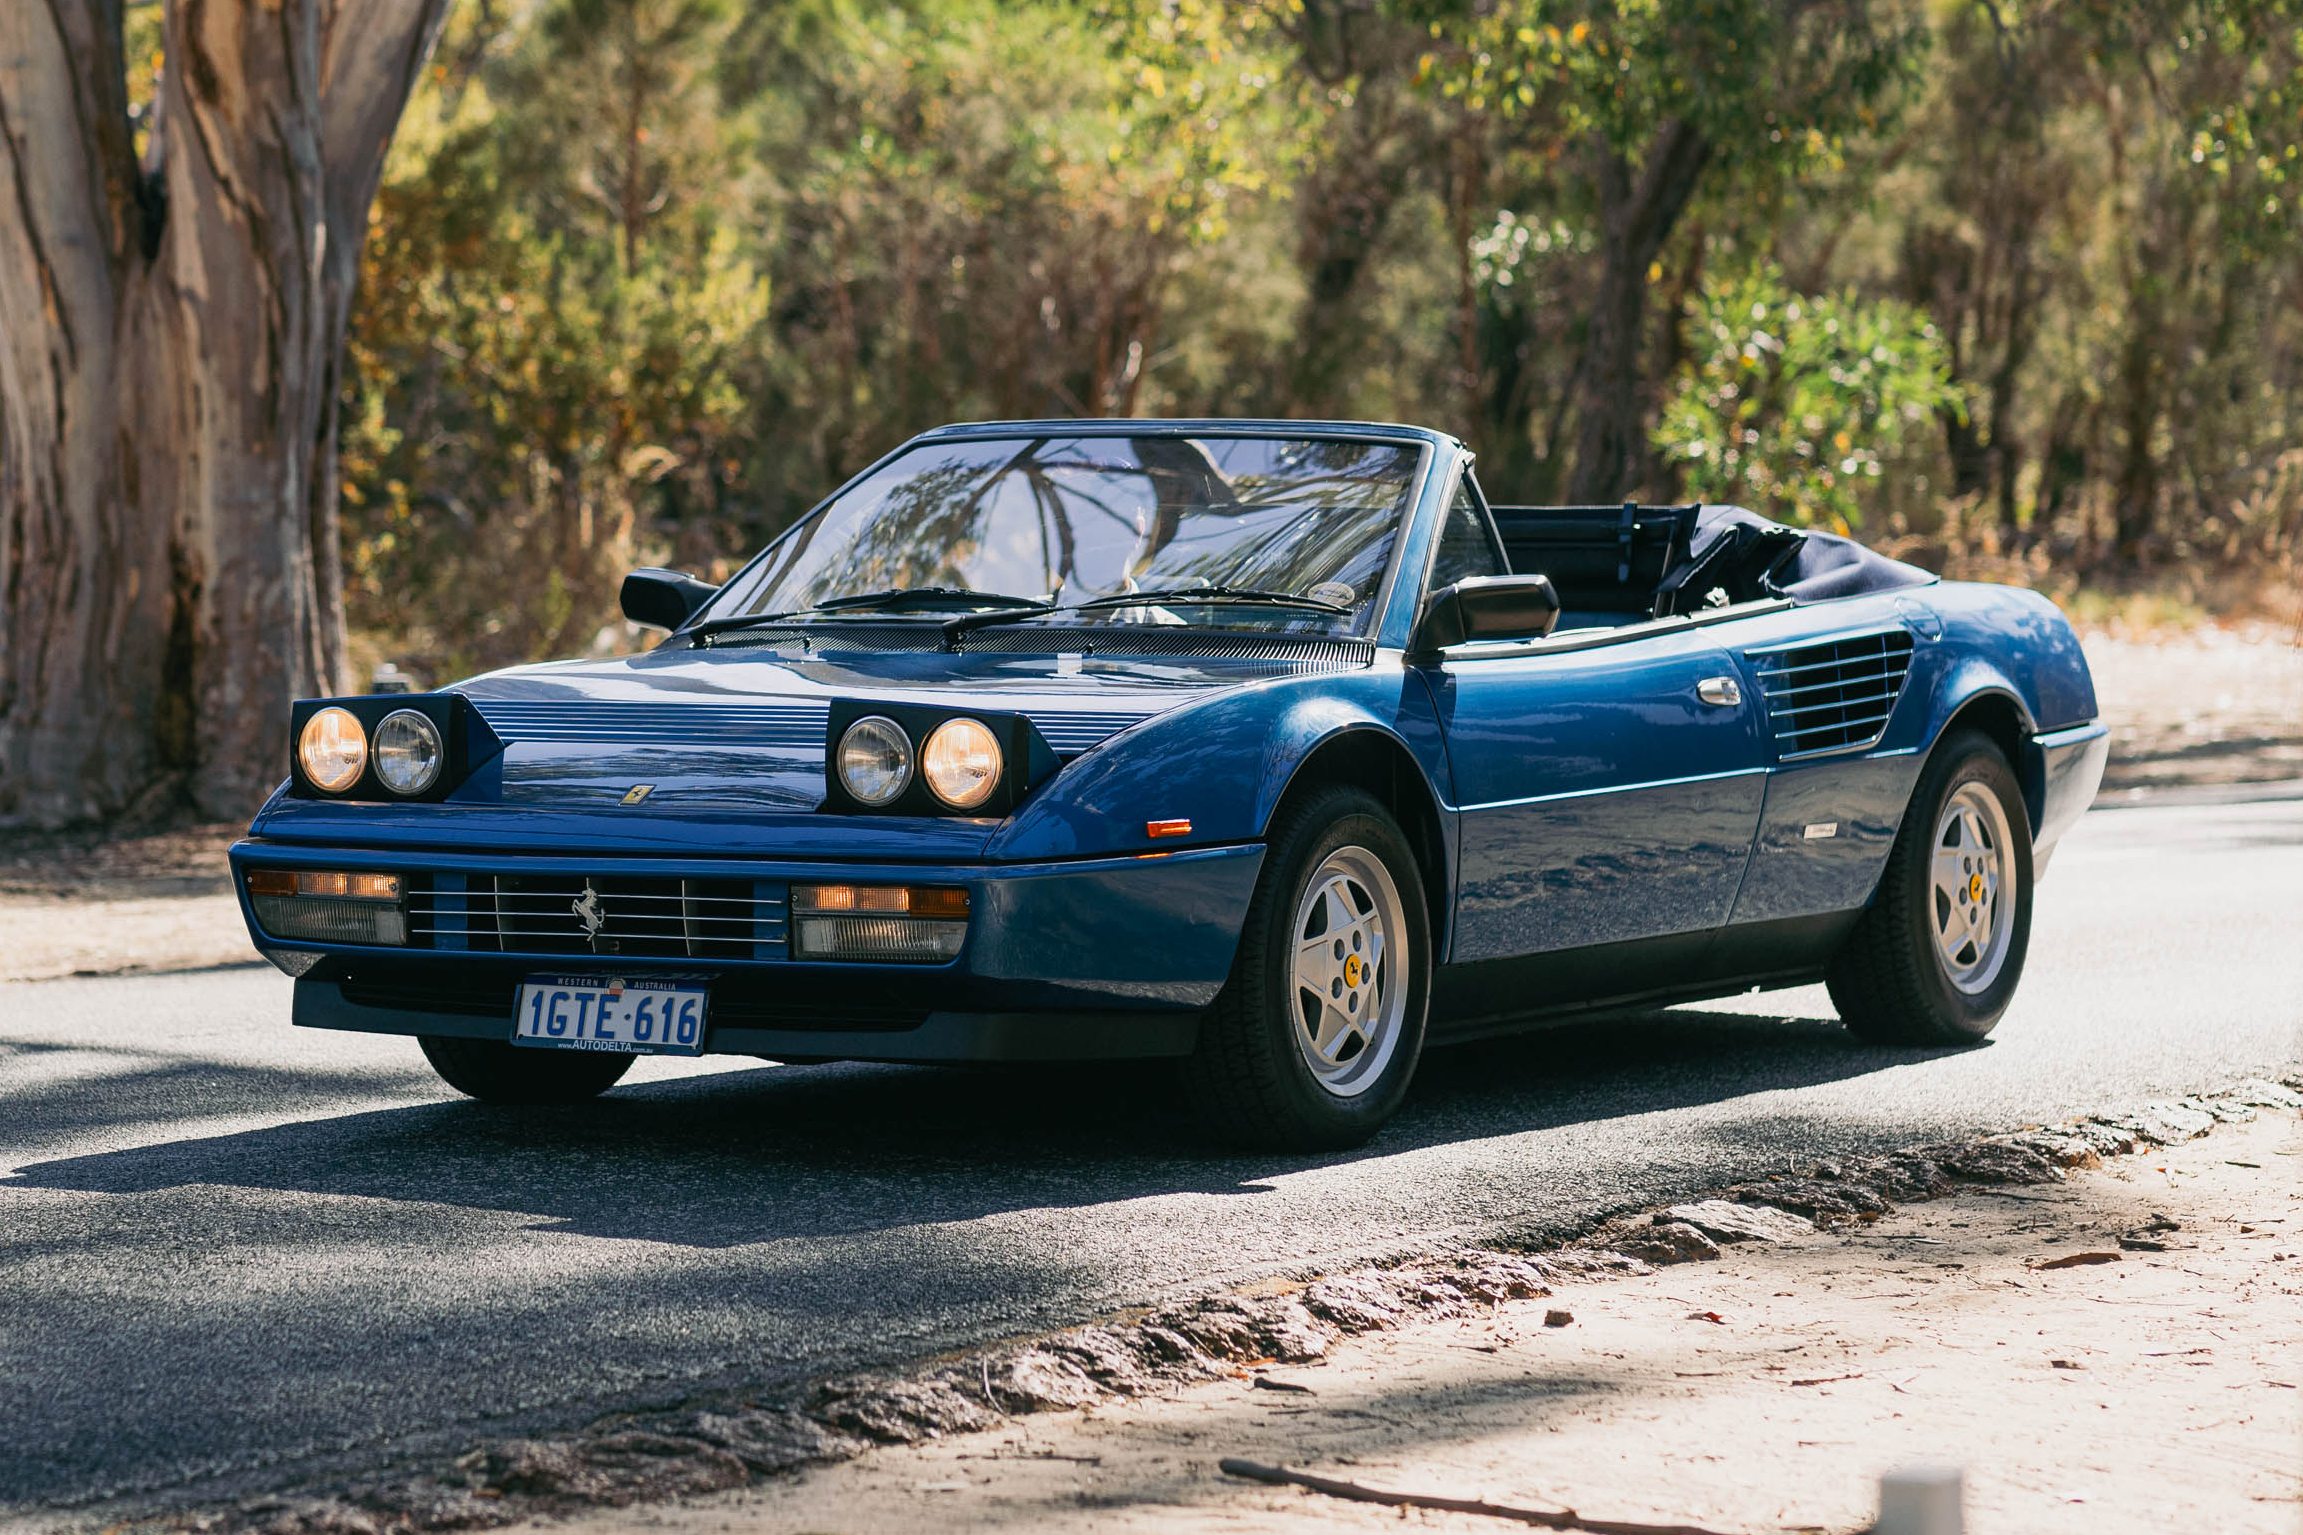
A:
x: 1724, y: 691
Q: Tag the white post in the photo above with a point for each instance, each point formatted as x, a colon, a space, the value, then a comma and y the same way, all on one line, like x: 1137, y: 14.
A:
x: 1921, y: 1500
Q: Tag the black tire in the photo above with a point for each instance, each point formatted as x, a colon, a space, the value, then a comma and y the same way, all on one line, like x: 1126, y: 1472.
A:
x: 1889, y: 980
x: 495, y: 1072
x: 1248, y: 1080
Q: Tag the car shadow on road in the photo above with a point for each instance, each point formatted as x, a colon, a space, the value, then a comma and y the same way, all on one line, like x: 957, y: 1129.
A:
x: 781, y: 1152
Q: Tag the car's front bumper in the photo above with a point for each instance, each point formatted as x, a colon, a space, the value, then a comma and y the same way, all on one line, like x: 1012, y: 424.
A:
x: 1077, y: 959
x: 2068, y: 767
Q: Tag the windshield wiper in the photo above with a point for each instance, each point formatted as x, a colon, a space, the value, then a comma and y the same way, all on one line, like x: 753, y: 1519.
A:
x: 895, y: 600
x: 1211, y: 593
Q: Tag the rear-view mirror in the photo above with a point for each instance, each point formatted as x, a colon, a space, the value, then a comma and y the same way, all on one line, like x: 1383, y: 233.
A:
x: 663, y: 599
x: 1489, y: 608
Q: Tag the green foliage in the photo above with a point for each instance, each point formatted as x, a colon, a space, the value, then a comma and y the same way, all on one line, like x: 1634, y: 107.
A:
x: 1793, y: 403
x: 648, y: 277
x: 1780, y: 83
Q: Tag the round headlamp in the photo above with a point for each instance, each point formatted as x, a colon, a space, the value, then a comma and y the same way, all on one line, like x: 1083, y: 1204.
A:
x: 961, y: 763
x: 332, y: 749
x: 408, y: 752
x: 875, y: 760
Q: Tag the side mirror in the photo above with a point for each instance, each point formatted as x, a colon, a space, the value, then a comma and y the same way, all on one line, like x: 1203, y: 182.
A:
x: 1488, y: 608
x: 663, y: 599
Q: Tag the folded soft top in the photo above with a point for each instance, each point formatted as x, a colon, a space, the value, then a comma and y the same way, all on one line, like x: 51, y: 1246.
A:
x: 1636, y: 560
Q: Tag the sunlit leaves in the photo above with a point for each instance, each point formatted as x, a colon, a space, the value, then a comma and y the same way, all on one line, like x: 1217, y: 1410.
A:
x: 1793, y: 403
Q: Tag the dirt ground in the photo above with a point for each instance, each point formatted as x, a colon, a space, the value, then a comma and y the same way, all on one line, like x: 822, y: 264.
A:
x: 2092, y: 1367
x: 2213, y: 707
x: 75, y: 904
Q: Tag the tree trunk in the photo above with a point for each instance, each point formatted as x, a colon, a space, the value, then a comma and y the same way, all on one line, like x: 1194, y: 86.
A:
x: 171, y: 336
x: 1636, y: 217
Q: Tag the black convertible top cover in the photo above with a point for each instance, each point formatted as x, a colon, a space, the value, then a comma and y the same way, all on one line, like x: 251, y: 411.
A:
x: 1821, y: 567
x: 1659, y: 560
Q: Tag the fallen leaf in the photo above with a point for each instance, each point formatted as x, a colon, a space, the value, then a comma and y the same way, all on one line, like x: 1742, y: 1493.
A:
x: 2074, y: 1260
x: 1707, y: 1316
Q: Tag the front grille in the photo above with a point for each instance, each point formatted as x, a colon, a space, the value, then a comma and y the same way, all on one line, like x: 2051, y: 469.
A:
x: 736, y: 1001
x: 604, y: 915
x: 1835, y: 696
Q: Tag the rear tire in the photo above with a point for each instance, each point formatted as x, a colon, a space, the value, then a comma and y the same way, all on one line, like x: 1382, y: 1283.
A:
x: 1936, y: 958
x: 1312, y: 1043
x: 495, y: 1072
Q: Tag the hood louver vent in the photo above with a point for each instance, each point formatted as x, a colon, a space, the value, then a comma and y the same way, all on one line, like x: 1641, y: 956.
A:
x: 1835, y: 696
x: 791, y: 727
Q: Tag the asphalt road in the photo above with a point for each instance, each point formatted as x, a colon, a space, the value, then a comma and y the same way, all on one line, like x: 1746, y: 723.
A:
x: 234, y: 1254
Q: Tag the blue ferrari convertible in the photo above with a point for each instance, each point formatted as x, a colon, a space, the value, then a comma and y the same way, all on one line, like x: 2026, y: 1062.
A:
x: 1274, y: 748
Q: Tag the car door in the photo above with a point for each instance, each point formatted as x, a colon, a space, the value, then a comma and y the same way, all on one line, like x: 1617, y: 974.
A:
x: 1608, y: 786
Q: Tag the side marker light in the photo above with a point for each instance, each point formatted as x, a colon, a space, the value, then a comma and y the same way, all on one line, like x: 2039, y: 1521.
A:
x: 1167, y: 828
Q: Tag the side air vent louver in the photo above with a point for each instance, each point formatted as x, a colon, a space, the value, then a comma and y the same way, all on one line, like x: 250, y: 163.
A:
x: 1835, y: 696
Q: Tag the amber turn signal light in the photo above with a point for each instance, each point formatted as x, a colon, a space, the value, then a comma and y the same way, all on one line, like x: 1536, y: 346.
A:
x: 358, y: 887
x: 1167, y: 828
x: 947, y: 901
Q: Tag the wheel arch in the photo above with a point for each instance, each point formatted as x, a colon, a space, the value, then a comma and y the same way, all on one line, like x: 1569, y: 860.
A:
x: 1369, y: 758
x: 1993, y: 707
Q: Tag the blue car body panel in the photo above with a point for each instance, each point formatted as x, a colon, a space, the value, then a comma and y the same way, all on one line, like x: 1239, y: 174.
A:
x: 1594, y: 829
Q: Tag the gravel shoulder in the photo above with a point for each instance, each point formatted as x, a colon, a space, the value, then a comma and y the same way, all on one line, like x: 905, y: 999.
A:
x: 77, y: 904
x: 2209, y: 707
x: 2113, y: 1352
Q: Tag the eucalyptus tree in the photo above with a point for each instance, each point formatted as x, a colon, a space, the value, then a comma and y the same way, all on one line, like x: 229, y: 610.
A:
x: 1632, y: 110
x: 171, y: 327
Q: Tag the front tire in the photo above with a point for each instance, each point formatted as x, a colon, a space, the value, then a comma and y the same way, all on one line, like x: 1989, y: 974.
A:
x: 1936, y: 958
x: 495, y: 1072
x: 1312, y: 1043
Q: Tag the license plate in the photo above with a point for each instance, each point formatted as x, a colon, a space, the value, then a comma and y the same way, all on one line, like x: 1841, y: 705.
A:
x: 652, y: 1016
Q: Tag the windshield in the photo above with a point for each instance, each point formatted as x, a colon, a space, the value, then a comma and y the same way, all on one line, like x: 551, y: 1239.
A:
x: 1074, y: 519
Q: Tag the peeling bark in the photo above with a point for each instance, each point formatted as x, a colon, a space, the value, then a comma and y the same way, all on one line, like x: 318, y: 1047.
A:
x: 169, y: 568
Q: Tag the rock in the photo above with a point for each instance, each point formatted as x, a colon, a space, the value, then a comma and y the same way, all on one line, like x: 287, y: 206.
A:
x: 901, y: 1411
x: 1041, y: 1380
x: 1725, y: 1221
x: 1592, y: 1262
x: 2060, y: 1146
x: 2262, y: 1094
x: 1353, y: 1302
x: 1558, y: 1318
x: 1109, y: 1358
x: 2107, y: 1140
x: 1903, y: 1177
x: 2162, y: 1124
x: 1821, y: 1201
x: 1671, y: 1242
x: 1999, y: 1161
x: 1491, y: 1276
x: 769, y: 1440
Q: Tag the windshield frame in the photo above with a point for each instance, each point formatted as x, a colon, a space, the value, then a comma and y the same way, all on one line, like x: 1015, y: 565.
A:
x: 1371, y: 622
